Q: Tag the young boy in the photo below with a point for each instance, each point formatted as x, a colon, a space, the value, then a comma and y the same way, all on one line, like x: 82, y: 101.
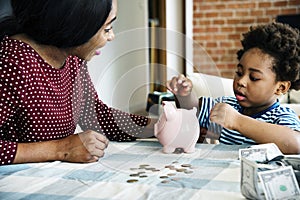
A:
x: 268, y: 67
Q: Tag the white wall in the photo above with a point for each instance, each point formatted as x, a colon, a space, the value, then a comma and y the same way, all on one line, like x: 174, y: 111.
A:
x: 178, y: 38
x: 189, y: 43
x: 121, y: 72
x: 174, y: 37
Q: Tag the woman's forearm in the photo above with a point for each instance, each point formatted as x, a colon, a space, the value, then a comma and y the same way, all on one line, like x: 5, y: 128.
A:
x: 37, y: 152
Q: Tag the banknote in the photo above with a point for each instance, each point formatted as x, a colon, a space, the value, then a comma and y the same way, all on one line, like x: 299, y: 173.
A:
x: 272, y: 150
x: 293, y: 160
x: 279, y: 183
x: 249, y: 180
x: 254, y: 154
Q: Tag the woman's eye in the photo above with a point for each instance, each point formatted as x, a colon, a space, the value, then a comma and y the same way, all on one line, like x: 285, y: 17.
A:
x: 108, y: 29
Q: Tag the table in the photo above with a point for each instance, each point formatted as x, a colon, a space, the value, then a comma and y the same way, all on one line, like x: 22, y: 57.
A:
x: 214, y: 174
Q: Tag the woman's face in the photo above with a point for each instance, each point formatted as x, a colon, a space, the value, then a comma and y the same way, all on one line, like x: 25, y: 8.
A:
x: 91, y: 48
x: 255, y: 84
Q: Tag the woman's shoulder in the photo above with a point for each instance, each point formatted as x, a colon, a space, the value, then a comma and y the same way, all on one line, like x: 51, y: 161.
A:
x: 15, y: 52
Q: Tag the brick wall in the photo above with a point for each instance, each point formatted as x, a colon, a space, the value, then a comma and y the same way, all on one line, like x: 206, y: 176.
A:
x: 219, y: 24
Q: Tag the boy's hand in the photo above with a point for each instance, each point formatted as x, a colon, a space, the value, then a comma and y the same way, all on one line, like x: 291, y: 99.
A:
x: 225, y: 115
x: 180, y: 85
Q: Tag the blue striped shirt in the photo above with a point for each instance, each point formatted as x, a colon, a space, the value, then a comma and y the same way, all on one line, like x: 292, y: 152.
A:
x: 276, y: 114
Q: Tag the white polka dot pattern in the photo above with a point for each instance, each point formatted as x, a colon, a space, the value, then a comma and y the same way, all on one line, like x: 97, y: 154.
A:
x: 39, y: 102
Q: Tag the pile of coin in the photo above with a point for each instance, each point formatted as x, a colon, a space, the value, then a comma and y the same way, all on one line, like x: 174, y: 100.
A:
x: 144, y: 170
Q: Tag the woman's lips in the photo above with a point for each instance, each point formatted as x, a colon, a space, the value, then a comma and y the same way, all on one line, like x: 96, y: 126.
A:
x: 97, y: 52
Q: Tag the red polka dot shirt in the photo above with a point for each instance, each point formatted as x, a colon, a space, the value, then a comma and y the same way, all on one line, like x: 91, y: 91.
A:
x: 40, y: 103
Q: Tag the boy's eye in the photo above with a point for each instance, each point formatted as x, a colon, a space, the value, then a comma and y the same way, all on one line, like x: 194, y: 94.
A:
x: 253, y: 78
x: 238, y: 73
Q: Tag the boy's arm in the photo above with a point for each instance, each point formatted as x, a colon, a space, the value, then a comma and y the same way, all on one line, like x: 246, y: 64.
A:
x: 284, y: 137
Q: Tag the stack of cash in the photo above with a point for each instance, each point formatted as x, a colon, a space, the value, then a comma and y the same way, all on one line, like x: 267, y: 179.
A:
x: 268, y: 174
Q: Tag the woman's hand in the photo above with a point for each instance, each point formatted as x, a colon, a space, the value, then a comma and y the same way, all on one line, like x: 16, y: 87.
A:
x: 87, y: 146
x: 180, y: 85
x: 84, y: 147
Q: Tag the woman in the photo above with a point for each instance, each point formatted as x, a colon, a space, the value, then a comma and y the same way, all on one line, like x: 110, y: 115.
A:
x: 45, y: 87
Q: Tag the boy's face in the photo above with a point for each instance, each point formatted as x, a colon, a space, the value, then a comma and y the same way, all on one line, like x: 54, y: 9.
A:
x: 255, y: 85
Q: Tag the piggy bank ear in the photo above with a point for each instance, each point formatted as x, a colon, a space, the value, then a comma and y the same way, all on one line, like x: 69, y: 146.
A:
x: 169, y: 110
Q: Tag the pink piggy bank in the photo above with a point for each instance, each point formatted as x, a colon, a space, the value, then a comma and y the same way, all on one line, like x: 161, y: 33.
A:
x: 177, y: 128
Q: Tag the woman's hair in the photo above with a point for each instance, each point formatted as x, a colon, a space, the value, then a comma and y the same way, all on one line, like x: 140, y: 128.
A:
x: 280, y: 41
x: 61, y: 23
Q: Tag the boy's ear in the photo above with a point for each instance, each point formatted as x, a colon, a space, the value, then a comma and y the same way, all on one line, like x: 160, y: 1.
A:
x: 283, y: 87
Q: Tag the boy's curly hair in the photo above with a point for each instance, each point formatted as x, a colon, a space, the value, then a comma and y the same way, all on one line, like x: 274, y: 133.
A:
x: 280, y: 41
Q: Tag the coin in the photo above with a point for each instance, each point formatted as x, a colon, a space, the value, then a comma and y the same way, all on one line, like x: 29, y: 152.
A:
x: 150, y: 168
x: 144, y: 166
x: 163, y: 177
x: 171, y: 167
x: 165, y: 181
x: 188, y: 171
x: 171, y: 174
x: 186, y: 165
x: 155, y: 170
x: 134, y: 174
x: 132, y: 180
x: 180, y: 169
x: 178, y: 151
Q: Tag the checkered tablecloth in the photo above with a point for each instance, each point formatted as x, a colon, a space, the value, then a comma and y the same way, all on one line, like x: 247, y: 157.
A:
x: 214, y: 173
